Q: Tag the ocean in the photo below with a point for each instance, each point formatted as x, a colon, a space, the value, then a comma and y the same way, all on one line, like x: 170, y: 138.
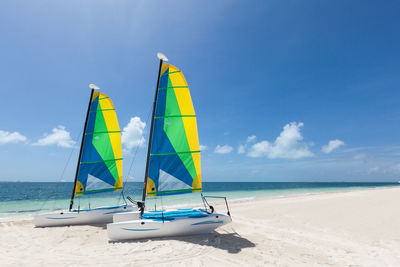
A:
x: 21, y: 200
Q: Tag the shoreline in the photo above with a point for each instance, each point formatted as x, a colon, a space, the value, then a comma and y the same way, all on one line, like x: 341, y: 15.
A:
x: 29, y: 216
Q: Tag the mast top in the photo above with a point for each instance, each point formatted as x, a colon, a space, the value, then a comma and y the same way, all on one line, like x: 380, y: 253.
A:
x: 94, y: 87
x: 162, y: 57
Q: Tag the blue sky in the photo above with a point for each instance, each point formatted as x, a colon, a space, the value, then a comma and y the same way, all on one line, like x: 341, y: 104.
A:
x: 284, y: 91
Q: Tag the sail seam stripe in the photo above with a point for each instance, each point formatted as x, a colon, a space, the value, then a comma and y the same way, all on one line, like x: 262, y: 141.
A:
x: 172, y: 87
x: 175, y: 116
x: 99, y: 190
x: 89, y: 162
x: 174, y: 191
x: 172, y: 72
x: 174, y: 153
x: 107, y: 109
x: 103, y: 98
x: 103, y: 132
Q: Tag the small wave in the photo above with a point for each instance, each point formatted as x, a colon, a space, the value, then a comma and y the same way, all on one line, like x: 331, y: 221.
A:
x: 241, y: 199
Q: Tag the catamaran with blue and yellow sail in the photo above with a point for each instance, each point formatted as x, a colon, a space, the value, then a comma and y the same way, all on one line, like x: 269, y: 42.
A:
x: 99, y: 167
x: 173, y: 167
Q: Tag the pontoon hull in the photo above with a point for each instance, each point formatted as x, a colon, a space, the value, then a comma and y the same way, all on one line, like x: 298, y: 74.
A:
x: 100, y: 215
x: 126, y: 216
x: 139, y: 229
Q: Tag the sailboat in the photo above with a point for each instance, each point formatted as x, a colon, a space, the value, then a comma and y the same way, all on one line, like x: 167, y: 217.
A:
x: 99, y: 167
x: 172, y: 167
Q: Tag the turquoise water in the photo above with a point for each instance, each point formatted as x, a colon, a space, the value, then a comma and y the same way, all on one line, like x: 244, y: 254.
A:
x: 20, y: 200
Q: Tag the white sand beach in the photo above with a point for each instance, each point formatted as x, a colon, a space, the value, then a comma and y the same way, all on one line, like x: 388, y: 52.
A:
x: 358, y: 228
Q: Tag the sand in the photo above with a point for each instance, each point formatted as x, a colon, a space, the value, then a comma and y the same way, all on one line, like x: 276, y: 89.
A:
x: 357, y: 228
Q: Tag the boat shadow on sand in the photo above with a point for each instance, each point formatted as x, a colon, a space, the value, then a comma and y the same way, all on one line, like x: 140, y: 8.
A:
x: 231, y: 242
x: 102, y: 226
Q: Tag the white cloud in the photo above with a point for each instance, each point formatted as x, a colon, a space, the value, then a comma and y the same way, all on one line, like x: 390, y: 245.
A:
x: 241, y: 149
x: 132, y: 134
x: 59, y: 137
x: 287, y: 145
x: 251, y: 138
x: 225, y: 149
x: 7, y: 137
x: 360, y: 156
x: 202, y: 147
x: 332, y: 145
x: 363, y: 158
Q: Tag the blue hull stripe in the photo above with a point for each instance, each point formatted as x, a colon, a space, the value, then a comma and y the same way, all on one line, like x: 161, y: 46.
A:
x: 140, y: 229
x: 207, y: 222
x: 102, y: 208
x: 117, y: 211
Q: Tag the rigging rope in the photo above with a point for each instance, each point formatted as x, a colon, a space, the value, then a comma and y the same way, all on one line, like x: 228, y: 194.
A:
x: 131, y: 165
x: 61, y: 176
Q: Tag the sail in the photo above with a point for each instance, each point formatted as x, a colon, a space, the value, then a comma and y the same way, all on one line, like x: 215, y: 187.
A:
x: 100, y: 167
x: 174, y: 166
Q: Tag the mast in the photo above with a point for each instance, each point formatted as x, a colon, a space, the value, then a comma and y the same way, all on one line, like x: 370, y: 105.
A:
x: 162, y: 58
x: 83, y: 139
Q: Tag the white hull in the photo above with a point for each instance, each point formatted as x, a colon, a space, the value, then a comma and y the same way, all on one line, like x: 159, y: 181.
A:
x: 92, y: 216
x: 126, y: 216
x: 149, y: 228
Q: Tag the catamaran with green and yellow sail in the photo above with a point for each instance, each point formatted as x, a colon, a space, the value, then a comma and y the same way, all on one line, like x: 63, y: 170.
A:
x: 173, y: 167
x: 99, y: 167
